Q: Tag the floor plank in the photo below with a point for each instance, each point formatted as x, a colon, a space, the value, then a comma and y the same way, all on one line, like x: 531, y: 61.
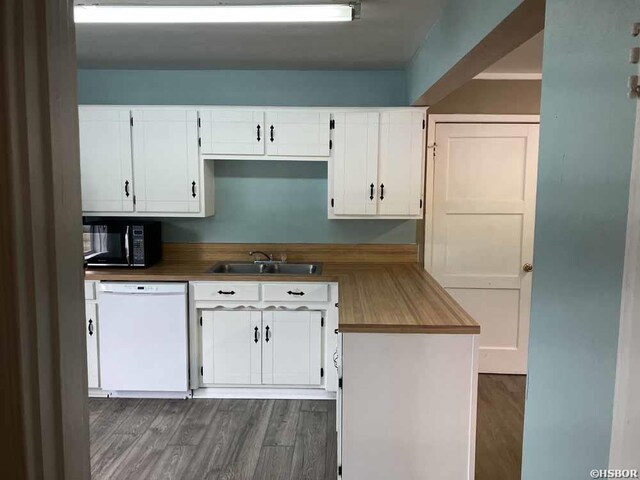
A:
x: 500, y: 426
x: 268, y: 439
x: 283, y: 423
x: 106, y: 461
x: 192, y: 429
x: 113, y: 414
x: 309, y: 454
x: 174, y: 464
x: 140, y: 417
x: 274, y: 463
x: 145, y: 453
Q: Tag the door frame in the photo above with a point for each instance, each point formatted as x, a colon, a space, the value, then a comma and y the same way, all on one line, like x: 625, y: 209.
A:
x: 432, y: 122
x: 622, y: 446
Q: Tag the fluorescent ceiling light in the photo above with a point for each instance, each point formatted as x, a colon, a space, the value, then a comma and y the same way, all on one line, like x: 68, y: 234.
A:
x: 213, y: 13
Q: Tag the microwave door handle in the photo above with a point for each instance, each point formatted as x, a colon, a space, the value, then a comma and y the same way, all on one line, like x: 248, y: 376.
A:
x: 126, y: 246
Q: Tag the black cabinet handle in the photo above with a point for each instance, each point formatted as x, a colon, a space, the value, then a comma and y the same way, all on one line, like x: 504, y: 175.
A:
x: 295, y: 293
x: 271, y: 130
x: 90, y: 327
x: 255, y: 334
x: 193, y: 189
x: 230, y: 292
x: 371, y: 196
x: 266, y: 334
x: 258, y: 129
x: 382, y: 191
x: 126, y: 188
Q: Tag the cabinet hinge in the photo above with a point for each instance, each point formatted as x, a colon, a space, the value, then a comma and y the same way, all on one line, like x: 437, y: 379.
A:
x: 200, y: 321
x: 199, y: 142
x: 131, y: 121
x: 330, y: 144
x: 202, y: 371
x: 332, y: 124
x: 321, y: 372
x: 332, y: 202
x: 424, y: 123
x: 340, y: 470
x: 322, y: 321
x: 340, y: 383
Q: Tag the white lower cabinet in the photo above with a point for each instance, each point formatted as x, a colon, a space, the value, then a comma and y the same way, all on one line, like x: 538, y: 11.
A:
x: 93, y: 370
x: 291, y: 349
x: 231, y: 347
x: 261, y: 347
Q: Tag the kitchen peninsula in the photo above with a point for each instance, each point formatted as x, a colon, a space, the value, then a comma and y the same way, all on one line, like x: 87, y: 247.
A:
x: 405, y: 353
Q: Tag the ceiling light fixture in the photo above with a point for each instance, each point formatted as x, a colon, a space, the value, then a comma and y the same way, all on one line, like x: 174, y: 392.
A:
x: 216, y: 13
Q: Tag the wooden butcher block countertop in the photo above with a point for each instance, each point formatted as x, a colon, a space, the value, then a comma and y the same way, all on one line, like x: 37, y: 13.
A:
x: 373, y: 297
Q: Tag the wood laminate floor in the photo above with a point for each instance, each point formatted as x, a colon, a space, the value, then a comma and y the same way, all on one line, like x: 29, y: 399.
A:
x: 267, y: 439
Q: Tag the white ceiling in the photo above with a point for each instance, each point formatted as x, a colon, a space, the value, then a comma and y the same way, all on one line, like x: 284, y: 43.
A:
x: 385, y: 37
x: 526, y: 59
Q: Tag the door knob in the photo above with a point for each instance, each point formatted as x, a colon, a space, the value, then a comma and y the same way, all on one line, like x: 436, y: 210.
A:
x: 527, y: 267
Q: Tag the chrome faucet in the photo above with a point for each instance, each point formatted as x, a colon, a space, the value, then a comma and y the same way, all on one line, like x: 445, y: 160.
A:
x: 268, y: 257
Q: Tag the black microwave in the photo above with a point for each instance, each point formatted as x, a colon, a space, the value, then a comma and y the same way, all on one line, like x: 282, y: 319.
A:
x: 121, y: 243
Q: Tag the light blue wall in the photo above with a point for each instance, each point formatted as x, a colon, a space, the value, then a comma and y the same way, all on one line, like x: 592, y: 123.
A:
x: 462, y: 25
x: 243, y: 87
x: 583, y: 185
x: 262, y: 201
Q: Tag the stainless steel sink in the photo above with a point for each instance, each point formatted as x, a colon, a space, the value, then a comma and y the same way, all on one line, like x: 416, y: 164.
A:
x: 250, y: 268
x: 297, y: 268
x: 239, y: 268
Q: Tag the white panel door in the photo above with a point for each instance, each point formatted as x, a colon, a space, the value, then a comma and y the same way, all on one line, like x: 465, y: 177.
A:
x: 291, y: 351
x: 232, y: 132
x: 297, y: 133
x: 483, y: 220
x: 231, y: 347
x: 93, y: 371
x: 355, y: 163
x: 105, y: 159
x: 400, y: 168
x: 166, y: 160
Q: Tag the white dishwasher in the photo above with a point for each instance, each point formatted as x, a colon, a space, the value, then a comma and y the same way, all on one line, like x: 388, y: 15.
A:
x: 143, y: 339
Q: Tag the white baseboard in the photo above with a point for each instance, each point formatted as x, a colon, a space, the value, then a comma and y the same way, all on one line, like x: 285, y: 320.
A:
x: 265, y: 393
x: 133, y: 394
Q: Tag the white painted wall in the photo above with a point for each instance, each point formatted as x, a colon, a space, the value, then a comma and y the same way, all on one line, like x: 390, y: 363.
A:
x: 625, y: 434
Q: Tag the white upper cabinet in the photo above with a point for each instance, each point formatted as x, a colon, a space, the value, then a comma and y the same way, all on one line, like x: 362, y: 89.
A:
x: 232, y: 132
x: 166, y: 166
x: 400, y: 169
x: 293, y: 133
x: 377, y: 166
x: 105, y: 159
x: 355, y: 163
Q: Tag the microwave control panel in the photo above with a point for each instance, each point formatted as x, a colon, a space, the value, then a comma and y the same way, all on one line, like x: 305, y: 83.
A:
x: 138, y: 245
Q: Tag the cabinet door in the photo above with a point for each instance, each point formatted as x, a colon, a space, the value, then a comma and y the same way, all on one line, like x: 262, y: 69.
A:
x: 291, y: 349
x: 355, y: 163
x: 400, y: 166
x: 231, y: 347
x: 232, y: 132
x: 166, y: 160
x: 105, y: 159
x: 91, y: 328
x: 301, y: 134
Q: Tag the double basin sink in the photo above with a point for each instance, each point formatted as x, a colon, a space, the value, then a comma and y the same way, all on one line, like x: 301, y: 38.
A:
x: 265, y: 268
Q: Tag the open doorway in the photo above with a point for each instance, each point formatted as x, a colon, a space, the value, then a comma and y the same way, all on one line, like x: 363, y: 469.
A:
x: 478, y: 233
